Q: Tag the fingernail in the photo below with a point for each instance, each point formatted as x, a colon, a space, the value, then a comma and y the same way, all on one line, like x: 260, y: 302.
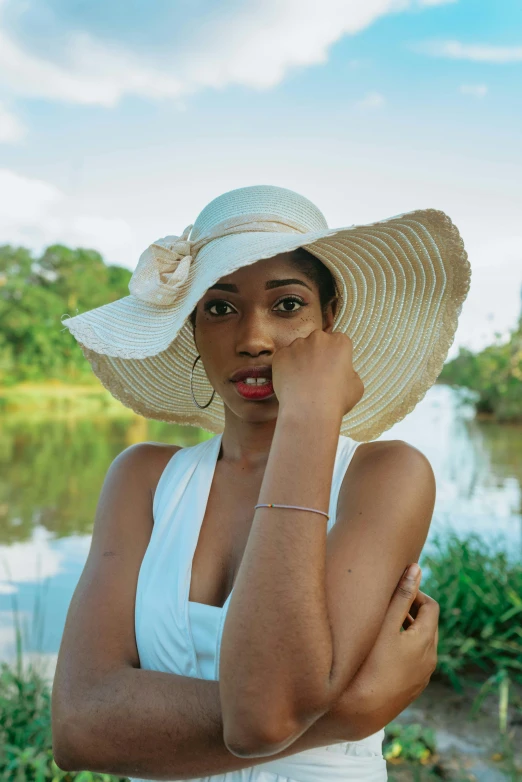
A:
x: 413, y: 571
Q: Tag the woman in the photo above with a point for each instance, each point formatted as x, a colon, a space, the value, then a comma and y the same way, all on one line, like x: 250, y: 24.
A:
x: 222, y: 629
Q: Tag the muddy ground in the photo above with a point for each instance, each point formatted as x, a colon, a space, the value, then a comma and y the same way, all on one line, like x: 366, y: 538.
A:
x: 467, y: 749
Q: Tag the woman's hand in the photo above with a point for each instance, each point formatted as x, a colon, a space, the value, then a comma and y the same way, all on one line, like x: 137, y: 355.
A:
x: 317, y: 372
x: 397, y: 669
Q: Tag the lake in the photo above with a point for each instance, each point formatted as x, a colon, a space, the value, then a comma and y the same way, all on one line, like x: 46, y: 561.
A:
x: 53, y: 469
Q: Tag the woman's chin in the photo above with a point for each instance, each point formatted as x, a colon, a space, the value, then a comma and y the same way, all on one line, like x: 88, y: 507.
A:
x: 254, y: 411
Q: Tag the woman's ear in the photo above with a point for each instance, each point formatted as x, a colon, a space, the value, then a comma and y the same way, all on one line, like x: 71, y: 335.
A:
x: 329, y: 315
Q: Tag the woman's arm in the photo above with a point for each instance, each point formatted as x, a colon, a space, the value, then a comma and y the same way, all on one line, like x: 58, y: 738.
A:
x: 178, y: 729
x: 304, y: 614
x: 152, y: 724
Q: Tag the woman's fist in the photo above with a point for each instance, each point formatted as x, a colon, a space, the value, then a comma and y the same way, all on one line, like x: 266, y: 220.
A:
x: 317, y: 371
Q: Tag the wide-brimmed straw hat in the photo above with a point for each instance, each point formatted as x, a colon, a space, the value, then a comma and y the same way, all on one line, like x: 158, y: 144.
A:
x: 401, y: 282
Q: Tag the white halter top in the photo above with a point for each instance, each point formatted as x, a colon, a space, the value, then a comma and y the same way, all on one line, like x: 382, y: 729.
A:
x: 180, y: 636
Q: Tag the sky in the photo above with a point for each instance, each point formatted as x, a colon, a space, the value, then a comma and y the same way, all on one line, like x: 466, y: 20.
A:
x: 121, y: 119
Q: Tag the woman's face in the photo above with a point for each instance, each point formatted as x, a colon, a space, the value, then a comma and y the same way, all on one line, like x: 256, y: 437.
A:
x: 246, y: 316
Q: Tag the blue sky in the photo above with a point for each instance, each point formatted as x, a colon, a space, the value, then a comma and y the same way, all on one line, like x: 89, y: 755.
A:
x: 120, y: 120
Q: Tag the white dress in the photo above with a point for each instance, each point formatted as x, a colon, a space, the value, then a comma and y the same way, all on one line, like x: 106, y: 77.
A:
x: 183, y: 637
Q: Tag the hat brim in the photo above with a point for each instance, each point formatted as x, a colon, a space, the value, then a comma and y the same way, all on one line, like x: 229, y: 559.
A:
x: 401, y: 283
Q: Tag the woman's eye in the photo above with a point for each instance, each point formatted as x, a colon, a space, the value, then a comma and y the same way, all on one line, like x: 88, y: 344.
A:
x: 290, y: 300
x: 219, y: 305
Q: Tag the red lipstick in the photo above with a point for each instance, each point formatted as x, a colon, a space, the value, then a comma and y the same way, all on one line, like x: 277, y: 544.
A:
x: 254, y: 390
x: 251, y: 391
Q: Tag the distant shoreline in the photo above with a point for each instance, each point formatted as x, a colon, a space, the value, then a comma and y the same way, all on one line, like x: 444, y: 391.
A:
x: 51, y: 389
x: 58, y: 396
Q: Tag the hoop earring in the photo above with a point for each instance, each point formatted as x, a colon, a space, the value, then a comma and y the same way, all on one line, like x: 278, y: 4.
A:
x: 201, y: 407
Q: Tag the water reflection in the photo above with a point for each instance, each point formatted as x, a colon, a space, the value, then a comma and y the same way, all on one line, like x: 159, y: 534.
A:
x: 477, y: 465
x: 53, y: 470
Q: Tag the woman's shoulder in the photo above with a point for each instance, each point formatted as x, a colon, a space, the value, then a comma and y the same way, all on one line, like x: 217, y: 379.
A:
x: 400, y: 449
x: 148, y: 454
x: 146, y: 461
x: 390, y: 461
x: 392, y: 458
x: 156, y: 462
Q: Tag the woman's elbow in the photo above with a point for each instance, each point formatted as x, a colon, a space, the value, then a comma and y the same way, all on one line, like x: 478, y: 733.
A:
x: 262, y: 739
x: 65, y: 744
x: 255, y: 731
x: 80, y: 739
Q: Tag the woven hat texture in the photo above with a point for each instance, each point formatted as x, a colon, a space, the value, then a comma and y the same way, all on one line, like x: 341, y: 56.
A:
x: 401, y: 283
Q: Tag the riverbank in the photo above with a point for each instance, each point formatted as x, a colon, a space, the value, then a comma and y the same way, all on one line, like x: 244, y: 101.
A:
x: 466, y: 725
x: 55, y: 398
x: 494, y: 375
x: 470, y: 743
x: 434, y: 739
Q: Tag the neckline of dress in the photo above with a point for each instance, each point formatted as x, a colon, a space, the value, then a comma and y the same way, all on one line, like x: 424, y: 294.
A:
x: 212, y: 464
x: 213, y: 457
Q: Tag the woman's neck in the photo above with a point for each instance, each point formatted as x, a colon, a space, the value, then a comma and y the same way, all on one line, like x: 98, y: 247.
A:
x: 246, y: 444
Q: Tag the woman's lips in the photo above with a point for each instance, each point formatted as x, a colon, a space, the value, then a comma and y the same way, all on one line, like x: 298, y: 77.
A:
x: 254, y: 391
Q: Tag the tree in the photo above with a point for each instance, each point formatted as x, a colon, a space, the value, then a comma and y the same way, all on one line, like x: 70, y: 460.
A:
x: 35, y: 293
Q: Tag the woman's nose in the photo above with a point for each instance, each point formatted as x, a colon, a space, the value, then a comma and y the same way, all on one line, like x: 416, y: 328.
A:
x: 254, y: 336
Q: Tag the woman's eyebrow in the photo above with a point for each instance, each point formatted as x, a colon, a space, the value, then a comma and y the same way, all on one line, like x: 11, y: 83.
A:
x: 269, y: 284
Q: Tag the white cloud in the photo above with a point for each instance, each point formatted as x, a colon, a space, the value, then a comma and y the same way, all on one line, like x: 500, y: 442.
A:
x: 28, y: 561
x: 95, y: 73
x: 11, y: 129
x: 255, y: 45
x: 476, y: 52
x: 31, y: 564
x: 24, y: 200
x: 111, y: 234
x: 504, y: 249
x: 35, y: 213
x: 373, y: 100
x: 477, y: 90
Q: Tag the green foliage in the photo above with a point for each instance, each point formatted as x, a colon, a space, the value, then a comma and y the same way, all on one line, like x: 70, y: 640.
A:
x: 26, y: 753
x: 34, y: 294
x: 480, y: 596
x: 500, y: 681
x: 412, y: 743
x: 495, y: 373
x: 25, y: 731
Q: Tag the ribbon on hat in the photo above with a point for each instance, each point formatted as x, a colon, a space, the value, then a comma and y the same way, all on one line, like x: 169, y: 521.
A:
x: 164, y: 266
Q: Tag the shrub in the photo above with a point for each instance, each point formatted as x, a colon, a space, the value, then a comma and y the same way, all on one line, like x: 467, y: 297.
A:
x: 25, y: 731
x: 480, y: 596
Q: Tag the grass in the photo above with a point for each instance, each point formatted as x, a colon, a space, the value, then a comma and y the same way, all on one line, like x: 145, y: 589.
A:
x: 26, y: 753
x: 25, y: 731
x: 479, y: 591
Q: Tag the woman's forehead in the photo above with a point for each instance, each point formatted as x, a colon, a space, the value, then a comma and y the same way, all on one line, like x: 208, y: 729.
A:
x: 264, y: 269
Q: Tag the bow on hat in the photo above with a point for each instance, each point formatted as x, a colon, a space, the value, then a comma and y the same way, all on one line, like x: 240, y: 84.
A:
x: 162, y: 269
x: 164, y: 266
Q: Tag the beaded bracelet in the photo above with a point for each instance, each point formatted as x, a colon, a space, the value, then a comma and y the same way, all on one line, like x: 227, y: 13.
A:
x: 296, y: 507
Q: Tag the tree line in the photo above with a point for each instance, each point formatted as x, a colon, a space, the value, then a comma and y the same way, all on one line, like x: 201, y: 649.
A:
x: 495, y: 374
x: 34, y: 294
